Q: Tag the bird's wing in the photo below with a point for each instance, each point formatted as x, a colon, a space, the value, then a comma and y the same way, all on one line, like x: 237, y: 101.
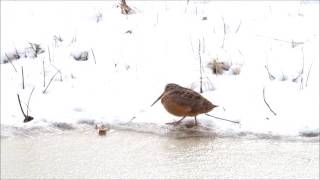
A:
x: 185, y: 98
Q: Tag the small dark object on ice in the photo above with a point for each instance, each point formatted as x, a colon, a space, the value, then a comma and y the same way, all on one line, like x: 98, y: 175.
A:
x: 102, y: 130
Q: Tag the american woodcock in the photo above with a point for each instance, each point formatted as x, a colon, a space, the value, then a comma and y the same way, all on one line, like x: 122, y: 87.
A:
x: 181, y: 101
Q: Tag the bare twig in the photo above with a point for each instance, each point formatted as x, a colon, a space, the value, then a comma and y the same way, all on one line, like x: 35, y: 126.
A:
x: 157, y: 18
x: 10, y: 61
x: 17, y: 53
x: 44, y: 91
x: 192, y: 46
x: 302, y: 68
x: 292, y: 43
x: 58, y: 71
x: 49, y: 54
x: 308, y: 74
x: 203, y: 45
x: 74, y: 39
x: 200, y: 63
x: 237, y: 122
x: 29, y: 101
x: 224, y: 32
x: 238, y: 27
x: 271, y: 77
x: 24, y: 115
x: 44, y: 74
x: 94, y: 57
x: 22, y: 77
x: 264, y: 98
x: 134, y: 117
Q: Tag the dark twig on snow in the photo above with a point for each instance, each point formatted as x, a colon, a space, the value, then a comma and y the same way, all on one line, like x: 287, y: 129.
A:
x: 200, y: 62
x: 44, y: 74
x: 94, y: 57
x: 308, y: 74
x: 49, y: 54
x: 26, y: 117
x: 224, y: 32
x: 271, y: 77
x: 44, y: 91
x: 237, y: 122
x: 292, y: 43
x: 22, y: 77
x: 264, y: 99
x: 238, y: 27
x: 10, y: 61
x: 29, y: 101
x: 17, y: 56
x: 301, y: 72
x: 58, y: 71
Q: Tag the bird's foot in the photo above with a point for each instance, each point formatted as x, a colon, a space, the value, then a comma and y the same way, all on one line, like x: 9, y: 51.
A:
x: 174, y: 123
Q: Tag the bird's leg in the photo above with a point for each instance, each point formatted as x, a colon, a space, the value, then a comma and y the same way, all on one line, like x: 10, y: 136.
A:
x: 195, y: 121
x: 177, y: 122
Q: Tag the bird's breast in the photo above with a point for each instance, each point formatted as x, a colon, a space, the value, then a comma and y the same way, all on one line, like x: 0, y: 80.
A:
x: 173, y: 107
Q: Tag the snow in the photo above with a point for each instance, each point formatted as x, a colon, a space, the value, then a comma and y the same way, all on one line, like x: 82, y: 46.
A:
x: 130, y: 70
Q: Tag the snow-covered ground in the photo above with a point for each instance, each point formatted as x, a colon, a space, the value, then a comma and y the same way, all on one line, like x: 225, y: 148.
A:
x: 126, y: 71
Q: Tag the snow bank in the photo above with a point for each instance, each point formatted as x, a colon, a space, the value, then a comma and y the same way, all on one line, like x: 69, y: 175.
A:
x: 132, y: 57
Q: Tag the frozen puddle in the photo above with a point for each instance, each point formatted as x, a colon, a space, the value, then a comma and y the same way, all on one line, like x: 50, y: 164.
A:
x: 185, y: 130
x: 128, y: 154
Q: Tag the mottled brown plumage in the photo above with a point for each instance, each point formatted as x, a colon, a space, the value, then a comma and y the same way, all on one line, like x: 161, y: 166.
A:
x: 183, y: 102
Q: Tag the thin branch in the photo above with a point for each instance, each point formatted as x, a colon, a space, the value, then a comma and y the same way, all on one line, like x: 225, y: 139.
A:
x: 224, y: 32
x: 29, y: 101
x: 44, y: 91
x: 292, y: 43
x: 24, y: 115
x: 134, y: 117
x: 308, y: 74
x: 44, y: 74
x: 94, y: 57
x: 58, y: 71
x: 49, y: 54
x: 22, y: 77
x: 157, y: 19
x: 10, y: 61
x: 264, y: 98
x: 203, y: 45
x: 302, y: 69
x: 238, y: 27
x: 200, y: 63
x: 17, y: 53
x: 237, y: 122
x: 271, y: 77
x: 192, y: 46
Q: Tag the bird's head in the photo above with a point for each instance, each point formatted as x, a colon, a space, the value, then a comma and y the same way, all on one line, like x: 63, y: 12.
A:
x: 169, y: 87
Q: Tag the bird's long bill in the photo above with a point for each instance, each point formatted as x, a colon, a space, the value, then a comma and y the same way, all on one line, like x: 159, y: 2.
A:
x: 157, y: 99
